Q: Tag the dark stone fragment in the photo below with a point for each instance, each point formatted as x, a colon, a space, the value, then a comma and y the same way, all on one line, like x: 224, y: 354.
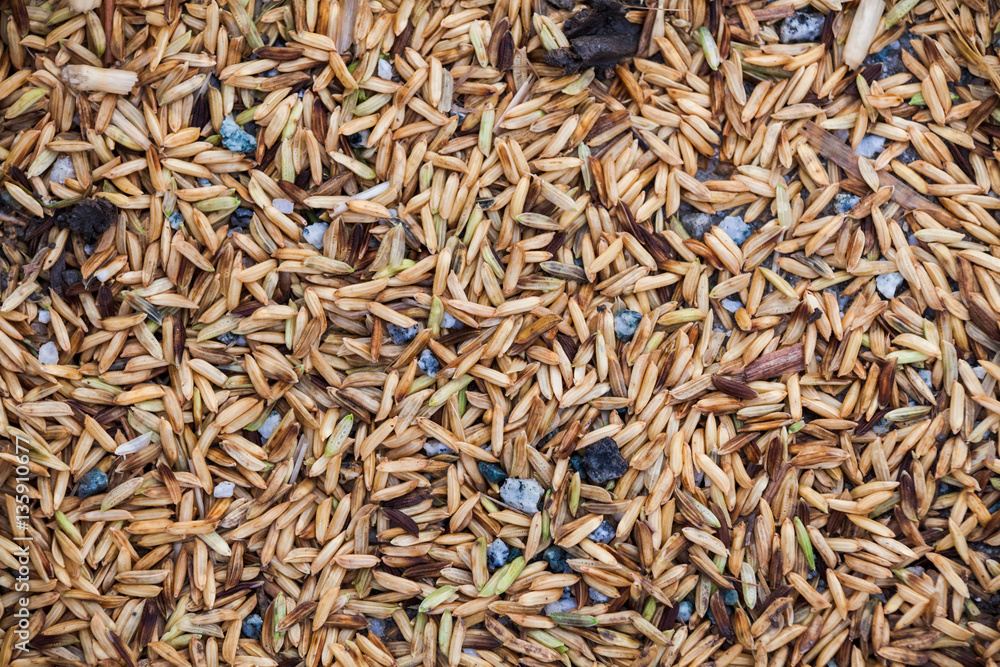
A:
x: 94, y: 482
x: 603, y: 533
x: 252, y: 625
x: 88, y: 219
x: 228, y: 338
x: 57, y: 281
x: 401, y: 336
x: 240, y: 218
x: 603, y: 462
x: 358, y: 139
x: 556, y: 558
x: 493, y: 473
x: 599, y: 36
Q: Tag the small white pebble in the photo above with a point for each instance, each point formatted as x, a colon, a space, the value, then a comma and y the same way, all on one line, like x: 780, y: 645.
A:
x: 62, y: 169
x: 314, y: 234
x: 48, y: 353
x: 434, y: 448
x: 384, y: 69
x: 732, y: 305
x: 738, y: 230
x: 560, y: 606
x: 522, y: 494
x: 801, y: 27
x: 888, y: 283
x: 44, y: 316
x: 284, y: 205
x: 268, y: 427
x: 88, y: 249
x: 448, y: 321
x: 979, y: 371
x: 224, y: 490
x: 871, y: 145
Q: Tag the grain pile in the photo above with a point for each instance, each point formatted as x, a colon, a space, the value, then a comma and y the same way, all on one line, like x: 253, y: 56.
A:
x: 480, y: 333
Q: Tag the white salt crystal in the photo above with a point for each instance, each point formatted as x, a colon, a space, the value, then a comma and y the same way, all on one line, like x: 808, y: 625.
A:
x: 44, y: 316
x: 284, y: 205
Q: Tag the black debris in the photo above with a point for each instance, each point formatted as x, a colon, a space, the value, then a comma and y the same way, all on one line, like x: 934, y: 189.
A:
x: 599, y: 36
x: 89, y: 218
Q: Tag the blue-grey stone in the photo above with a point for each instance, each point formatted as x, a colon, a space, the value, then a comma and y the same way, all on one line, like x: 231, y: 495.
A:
x: 252, y: 625
x: 626, y: 322
x: 522, y: 494
x: 496, y: 554
x: 227, y: 338
x: 871, y: 145
x: 428, y: 363
x: 401, y: 336
x: 597, y: 597
x: 358, y: 139
x: 94, y: 482
x: 241, y: 217
x: 844, y: 202
x: 603, y: 533
x: 732, y: 597
x: 556, y: 558
x: 888, y: 283
x: 735, y: 227
x: 235, y: 138
x: 684, y: 611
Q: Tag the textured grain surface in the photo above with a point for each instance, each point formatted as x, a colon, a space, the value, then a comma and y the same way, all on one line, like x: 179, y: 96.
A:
x: 482, y: 333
